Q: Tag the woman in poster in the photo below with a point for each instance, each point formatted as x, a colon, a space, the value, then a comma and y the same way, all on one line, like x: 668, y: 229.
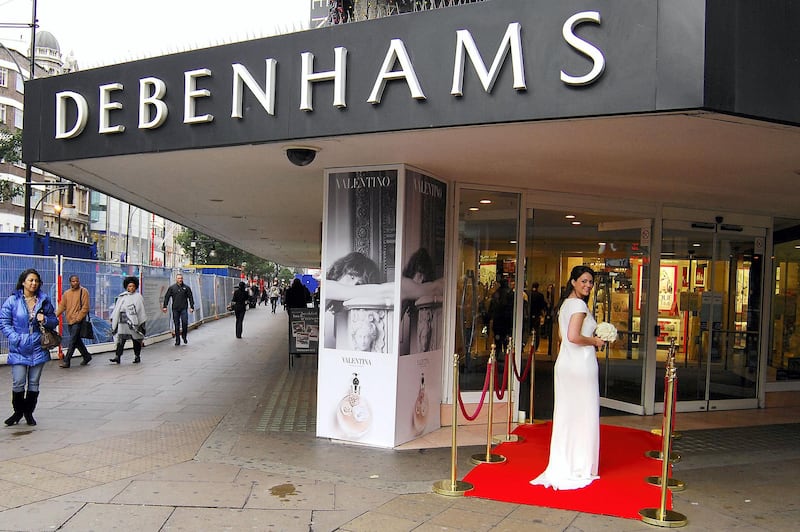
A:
x: 357, y: 276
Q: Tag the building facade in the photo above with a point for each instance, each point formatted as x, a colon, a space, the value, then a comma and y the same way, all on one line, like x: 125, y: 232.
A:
x: 647, y: 140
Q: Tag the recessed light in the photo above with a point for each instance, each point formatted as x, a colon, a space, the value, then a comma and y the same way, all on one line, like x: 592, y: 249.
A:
x: 512, y: 241
x: 485, y: 201
x: 569, y: 216
x: 696, y: 245
x: 601, y: 243
x: 575, y: 222
x: 474, y: 209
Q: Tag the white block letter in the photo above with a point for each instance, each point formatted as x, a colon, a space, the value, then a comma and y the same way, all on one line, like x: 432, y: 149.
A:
x: 338, y: 75
x: 265, y: 97
x: 397, y: 53
x: 586, y: 48
x: 151, y: 97
x: 511, y: 42
x: 61, y: 114
x: 106, y: 106
x: 191, y: 93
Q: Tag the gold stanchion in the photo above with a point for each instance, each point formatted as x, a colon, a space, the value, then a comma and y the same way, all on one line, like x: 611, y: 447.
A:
x: 489, y: 458
x: 661, y: 516
x: 452, y: 487
x: 670, y: 371
x: 533, y: 378
x: 508, y: 437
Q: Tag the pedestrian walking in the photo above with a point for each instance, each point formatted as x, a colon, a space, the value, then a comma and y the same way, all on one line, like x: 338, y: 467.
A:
x: 274, y: 295
x: 128, y: 320
x: 23, y: 315
x: 75, y: 306
x: 182, y: 305
x: 239, y: 303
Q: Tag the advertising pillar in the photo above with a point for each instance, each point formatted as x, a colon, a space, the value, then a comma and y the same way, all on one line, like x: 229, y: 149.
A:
x: 383, y: 255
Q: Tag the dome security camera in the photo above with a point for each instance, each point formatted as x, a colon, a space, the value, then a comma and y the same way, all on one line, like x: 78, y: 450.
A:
x: 301, y: 155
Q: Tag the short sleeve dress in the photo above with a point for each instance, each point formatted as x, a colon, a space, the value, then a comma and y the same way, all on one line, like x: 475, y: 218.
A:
x: 575, y: 442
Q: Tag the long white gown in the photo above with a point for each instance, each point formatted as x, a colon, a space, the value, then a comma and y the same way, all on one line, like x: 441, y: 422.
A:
x: 575, y: 443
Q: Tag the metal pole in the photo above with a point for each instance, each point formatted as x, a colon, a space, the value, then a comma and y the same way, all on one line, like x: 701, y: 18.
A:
x: 661, y: 516
x: 31, y: 75
x: 489, y: 457
x: 451, y: 486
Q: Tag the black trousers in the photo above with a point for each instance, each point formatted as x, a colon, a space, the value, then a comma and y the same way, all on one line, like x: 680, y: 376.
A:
x: 76, y: 342
x: 180, y: 319
x: 239, y: 312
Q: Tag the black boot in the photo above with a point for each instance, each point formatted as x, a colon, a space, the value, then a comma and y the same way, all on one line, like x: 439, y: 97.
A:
x: 30, y: 405
x: 116, y: 359
x: 18, y: 404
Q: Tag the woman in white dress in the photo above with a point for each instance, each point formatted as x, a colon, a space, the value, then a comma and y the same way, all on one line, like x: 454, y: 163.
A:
x: 575, y: 443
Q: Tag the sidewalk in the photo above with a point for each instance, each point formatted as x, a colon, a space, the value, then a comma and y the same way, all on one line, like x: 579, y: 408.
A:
x: 219, y: 435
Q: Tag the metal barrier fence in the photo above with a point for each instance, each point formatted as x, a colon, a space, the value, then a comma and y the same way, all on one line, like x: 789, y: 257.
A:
x: 103, y: 280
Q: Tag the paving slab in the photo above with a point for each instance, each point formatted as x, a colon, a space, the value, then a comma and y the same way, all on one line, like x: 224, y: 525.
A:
x: 226, y: 519
x: 190, y: 494
x: 108, y: 517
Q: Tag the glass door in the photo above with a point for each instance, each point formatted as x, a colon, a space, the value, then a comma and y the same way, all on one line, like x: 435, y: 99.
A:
x: 486, y: 298
x: 709, y: 299
x: 614, y: 247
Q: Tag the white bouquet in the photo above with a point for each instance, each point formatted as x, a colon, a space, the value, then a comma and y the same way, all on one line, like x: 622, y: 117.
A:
x: 606, y: 332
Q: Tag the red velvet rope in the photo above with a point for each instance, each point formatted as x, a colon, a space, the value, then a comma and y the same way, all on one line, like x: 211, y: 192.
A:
x: 524, y: 376
x: 500, y: 391
x: 483, y: 396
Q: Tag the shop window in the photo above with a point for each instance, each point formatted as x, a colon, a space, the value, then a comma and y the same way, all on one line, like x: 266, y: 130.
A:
x: 784, y: 355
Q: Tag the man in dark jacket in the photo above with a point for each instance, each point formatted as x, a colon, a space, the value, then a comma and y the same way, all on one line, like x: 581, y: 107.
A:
x: 182, y: 304
x: 297, y: 295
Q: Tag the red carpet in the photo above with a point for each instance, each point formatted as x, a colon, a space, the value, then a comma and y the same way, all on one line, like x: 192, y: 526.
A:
x: 621, y: 490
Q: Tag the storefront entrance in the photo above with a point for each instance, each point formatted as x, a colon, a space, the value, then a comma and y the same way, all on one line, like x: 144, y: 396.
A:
x: 490, y: 310
x: 709, y: 302
x: 706, y: 296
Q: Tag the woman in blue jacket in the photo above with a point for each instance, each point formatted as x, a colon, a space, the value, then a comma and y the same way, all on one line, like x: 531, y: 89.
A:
x: 23, y: 311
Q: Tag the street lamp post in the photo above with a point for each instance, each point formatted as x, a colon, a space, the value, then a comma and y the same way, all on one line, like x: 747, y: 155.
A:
x: 193, y: 245
x: 47, y: 193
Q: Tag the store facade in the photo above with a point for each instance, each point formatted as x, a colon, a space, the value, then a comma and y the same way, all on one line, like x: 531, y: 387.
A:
x: 606, y: 133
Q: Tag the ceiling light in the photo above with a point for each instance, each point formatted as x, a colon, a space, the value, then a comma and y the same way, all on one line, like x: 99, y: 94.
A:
x: 696, y: 244
x: 575, y: 222
x: 569, y: 216
x: 512, y: 241
x: 474, y: 209
x: 485, y: 201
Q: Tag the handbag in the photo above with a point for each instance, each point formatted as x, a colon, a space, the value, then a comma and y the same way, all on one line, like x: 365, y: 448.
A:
x: 86, y: 330
x: 49, y: 339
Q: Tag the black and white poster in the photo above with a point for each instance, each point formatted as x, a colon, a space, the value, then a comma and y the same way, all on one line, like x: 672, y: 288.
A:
x: 359, y: 261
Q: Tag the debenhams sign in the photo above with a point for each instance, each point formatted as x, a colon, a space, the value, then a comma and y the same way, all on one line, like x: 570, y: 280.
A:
x: 397, y: 66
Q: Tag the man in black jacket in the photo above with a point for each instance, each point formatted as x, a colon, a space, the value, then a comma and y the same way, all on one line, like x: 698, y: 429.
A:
x: 182, y: 304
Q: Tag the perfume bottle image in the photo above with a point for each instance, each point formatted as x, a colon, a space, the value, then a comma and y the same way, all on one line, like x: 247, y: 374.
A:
x: 353, y: 413
x: 420, y: 419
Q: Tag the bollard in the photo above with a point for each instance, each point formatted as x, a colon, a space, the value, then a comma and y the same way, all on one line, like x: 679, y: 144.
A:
x: 488, y: 457
x: 451, y: 486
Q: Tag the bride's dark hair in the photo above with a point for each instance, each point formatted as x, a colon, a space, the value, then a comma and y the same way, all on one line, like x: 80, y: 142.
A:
x: 577, y: 271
